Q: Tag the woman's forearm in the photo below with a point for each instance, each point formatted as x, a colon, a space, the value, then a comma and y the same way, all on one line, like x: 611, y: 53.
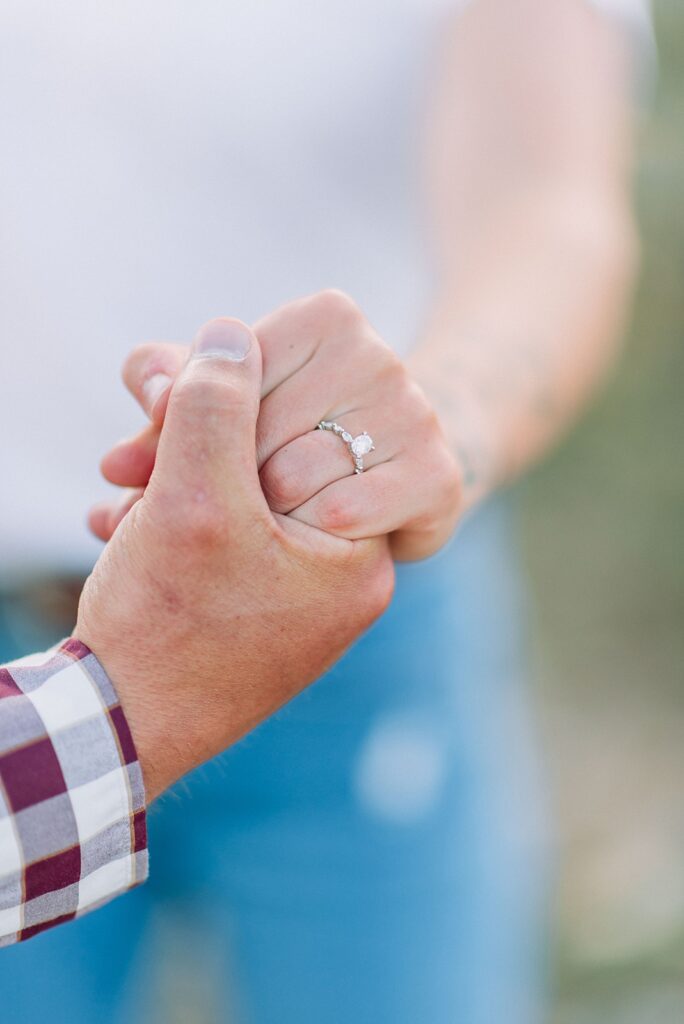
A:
x: 526, y: 327
x: 529, y: 169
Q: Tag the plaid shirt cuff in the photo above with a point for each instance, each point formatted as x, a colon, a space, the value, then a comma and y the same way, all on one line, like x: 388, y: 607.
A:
x: 72, y: 803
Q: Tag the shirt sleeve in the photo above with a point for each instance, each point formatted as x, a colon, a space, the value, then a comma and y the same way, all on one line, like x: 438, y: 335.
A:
x: 72, y: 804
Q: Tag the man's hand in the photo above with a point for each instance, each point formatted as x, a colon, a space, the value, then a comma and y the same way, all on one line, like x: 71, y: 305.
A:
x: 206, y: 609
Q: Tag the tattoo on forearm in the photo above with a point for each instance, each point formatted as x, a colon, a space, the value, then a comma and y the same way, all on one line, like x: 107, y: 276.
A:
x: 479, y: 389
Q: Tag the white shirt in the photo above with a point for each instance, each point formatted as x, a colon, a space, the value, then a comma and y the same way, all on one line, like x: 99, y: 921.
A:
x: 164, y: 162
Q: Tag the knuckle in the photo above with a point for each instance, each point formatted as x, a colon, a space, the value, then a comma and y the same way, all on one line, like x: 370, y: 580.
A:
x: 420, y: 406
x: 334, y: 304
x: 202, y: 522
x: 137, y: 360
x: 446, y: 477
x: 206, y: 396
x: 443, y: 493
x: 388, y: 369
x: 335, y: 516
x: 280, y: 484
x: 452, y: 485
x: 379, y: 588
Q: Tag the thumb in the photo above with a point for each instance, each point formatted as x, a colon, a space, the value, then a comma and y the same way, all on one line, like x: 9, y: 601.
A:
x: 207, y: 449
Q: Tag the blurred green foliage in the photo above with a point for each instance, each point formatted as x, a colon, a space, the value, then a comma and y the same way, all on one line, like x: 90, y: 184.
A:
x: 605, y: 548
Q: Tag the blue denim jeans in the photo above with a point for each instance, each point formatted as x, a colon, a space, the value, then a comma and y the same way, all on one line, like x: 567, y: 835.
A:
x: 373, y: 854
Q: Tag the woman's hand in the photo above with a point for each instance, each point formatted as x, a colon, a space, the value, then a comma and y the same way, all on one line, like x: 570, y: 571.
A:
x: 322, y: 361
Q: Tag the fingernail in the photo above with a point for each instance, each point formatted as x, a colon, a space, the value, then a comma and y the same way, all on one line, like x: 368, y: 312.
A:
x: 154, y: 388
x: 223, y: 339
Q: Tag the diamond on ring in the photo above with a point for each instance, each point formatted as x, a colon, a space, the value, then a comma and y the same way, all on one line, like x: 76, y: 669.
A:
x: 358, y: 446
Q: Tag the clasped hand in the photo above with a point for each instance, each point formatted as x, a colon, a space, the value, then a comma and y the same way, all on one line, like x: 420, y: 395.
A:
x: 322, y: 360
x: 248, y: 555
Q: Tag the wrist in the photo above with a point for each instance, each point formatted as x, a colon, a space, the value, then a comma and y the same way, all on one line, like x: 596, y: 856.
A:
x: 159, y: 762
x: 470, y: 428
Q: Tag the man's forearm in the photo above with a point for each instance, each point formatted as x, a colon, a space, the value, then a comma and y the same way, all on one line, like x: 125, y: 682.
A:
x: 72, y: 805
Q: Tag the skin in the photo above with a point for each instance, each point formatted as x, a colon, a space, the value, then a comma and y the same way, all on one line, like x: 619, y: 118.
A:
x: 312, y: 350
x: 207, y: 610
x: 527, y: 171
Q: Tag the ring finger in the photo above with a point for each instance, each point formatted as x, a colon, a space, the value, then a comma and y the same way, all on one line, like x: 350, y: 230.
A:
x: 313, y: 461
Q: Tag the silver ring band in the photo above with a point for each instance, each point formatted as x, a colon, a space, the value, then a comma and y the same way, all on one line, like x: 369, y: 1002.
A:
x: 358, y: 446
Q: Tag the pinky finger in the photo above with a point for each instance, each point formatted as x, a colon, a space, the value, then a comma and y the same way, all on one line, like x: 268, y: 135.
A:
x: 103, y: 519
x: 382, y: 501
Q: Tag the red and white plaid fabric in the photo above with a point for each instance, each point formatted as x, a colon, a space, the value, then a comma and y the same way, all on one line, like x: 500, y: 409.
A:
x: 72, y: 803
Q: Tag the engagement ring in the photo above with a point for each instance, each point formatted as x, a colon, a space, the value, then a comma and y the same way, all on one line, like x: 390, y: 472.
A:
x: 358, y: 446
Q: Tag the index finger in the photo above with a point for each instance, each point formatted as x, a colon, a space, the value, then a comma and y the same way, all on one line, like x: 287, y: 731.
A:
x: 149, y: 373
